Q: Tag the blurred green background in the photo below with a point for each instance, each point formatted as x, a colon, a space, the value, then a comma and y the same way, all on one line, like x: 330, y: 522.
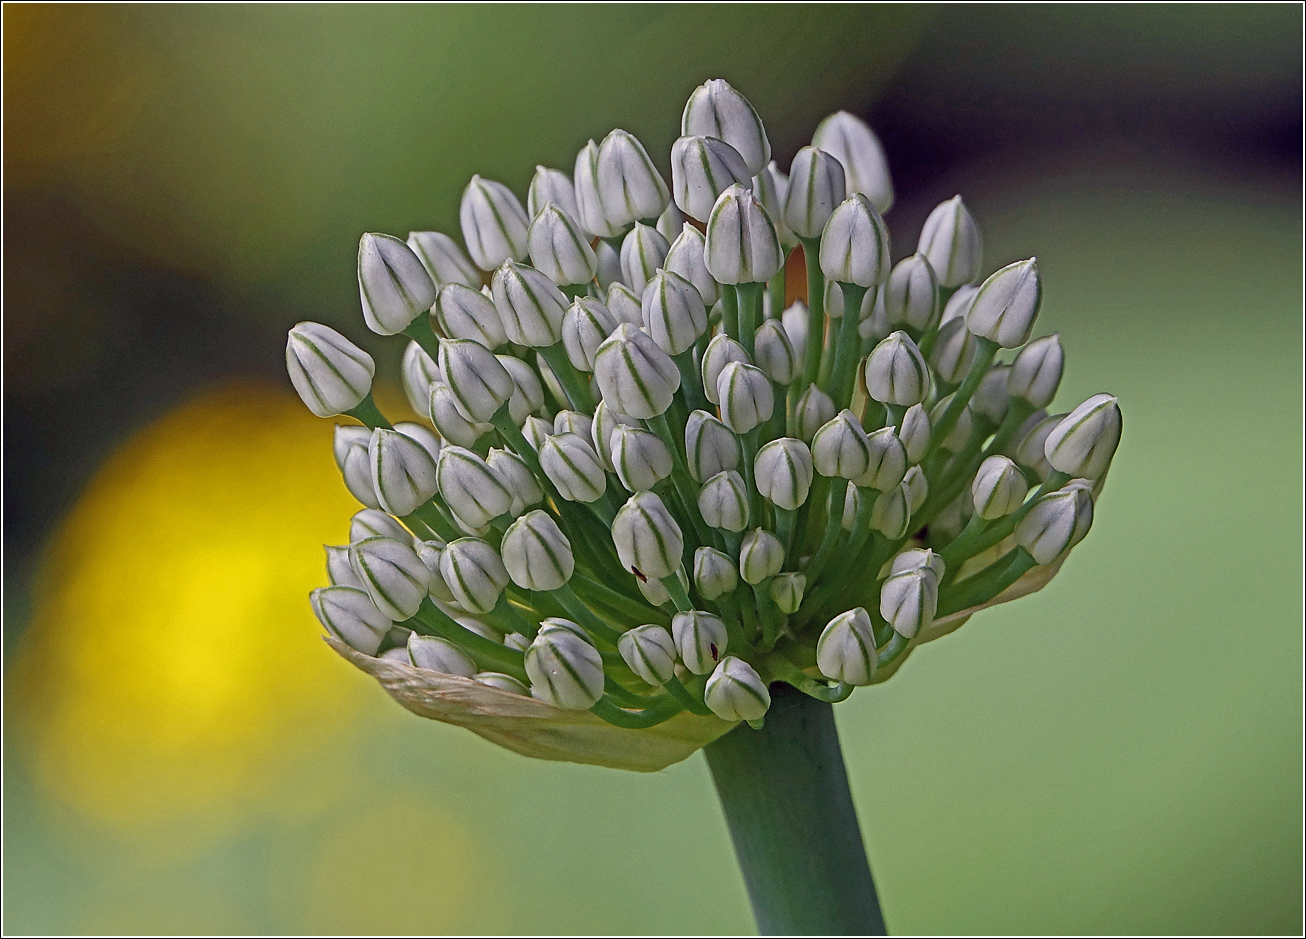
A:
x: 1120, y: 753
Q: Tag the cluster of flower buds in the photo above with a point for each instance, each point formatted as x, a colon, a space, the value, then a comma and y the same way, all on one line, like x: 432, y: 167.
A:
x: 649, y: 485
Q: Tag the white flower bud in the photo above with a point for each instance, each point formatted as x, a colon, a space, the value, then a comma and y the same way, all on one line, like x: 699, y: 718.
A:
x: 1030, y: 452
x: 794, y: 319
x: 852, y: 504
x: 653, y: 591
x: 858, y: 150
x: 998, y: 489
x: 813, y: 410
x: 604, y: 425
x: 464, y: 313
x: 559, y: 249
x: 349, y: 615
x: 700, y: 639
x: 772, y: 188
x: 624, y: 305
x: 527, y: 392
x: 550, y: 185
x: 745, y: 395
x: 1084, y: 443
x: 479, y: 382
x: 715, y: 109
x: 670, y: 222
x: 950, y: 240
x: 673, y: 312
x: 1036, y: 372
x: 629, y: 185
x: 586, y: 324
x: 990, y: 400
x: 446, y: 415
x: 643, y: 252
x: 1006, y: 305
x: 634, y: 375
x: 720, y: 352
x: 650, y: 652
x: 439, y: 655
x: 565, y: 670
x: 896, y: 372
x: 886, y: 465
x: 393, y: 285
x: 517, y: 477
x: 710, y: 447
x: 536, y: 554
x: 494, y: 223
x: 846, y: 650
x: 953, y: 351
x: 369, y: 523
x: 701, y: 169
x: 430, y: 553
x: 714, y: 573
x: 470, y: 489
x: 787, y: 591
x: 918, y: 487
x: 911, y: 295
x: 761, y: 555
x: 417, y: 373
x: 331, y: 374
x: 956, y: 440
x: 474, y: 573
x: 589, y: 207
x: 573, y: 422
x: 340, y: 573
x: 685, y: 257
x: 608, y: 271
x: 913, y: 559
x: 891, y: 513
x: 915, y: 432
x: 444, y: 259
x: 840, y: 448
x: 517, y: 641
x: 392, y: 573
x: 775, y: 353
x: 535, y: 430
x: 640, y: 457
x: 1056, y: 523
x: 402, y: 471
x: 908, y: 601
x: 783, y: 470
x: 502, y: 682
x: 723, y: 501
x: 529, y: 305
x: 351, y: 456
x: 647, y: 538
x: 741, y: 245
x: 855, y: 244
x: 573, y: 467
x: 816, y: 187
x: 735, y: 692
x: 959, y: 304
x: 425, y: 437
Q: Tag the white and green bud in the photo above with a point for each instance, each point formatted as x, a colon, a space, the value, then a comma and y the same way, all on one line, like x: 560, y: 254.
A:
x: 517, y: 477
x: 640, y: 457
x: 855, y: 244
x: 643, y: 252
x: 841, y: 448
x: 479, y: 382
x: 1084, y: 443
x: 775, y: 353
x: 735, y: 692
x: 918, y: 486
x: 886, y: 464
x: 991, y: 400
x: 609, y: 266
x: 494, y: 223
x: 402, y: 471
x: 908, y: 600
x: 331, y: 374
x: 816, y: 187
x: 629, y: 185
x: 565, y: 670
x: 470, y: 488
x: 464, y: 313
x: 710, y: 447
x: 741, y: 245
x: 746, y: 396
x: 430, y: 553
x: 393, y: 285
x: 634, y: 375
x: 502, y: 682
x: 720, y: 352
x: 340, y: 573
x: 915, y: 432
x: 912, y: 559
x: 772, y: 188
x: 559, y: 249
x: 670, y: 222
x: 700, y: 639
x: 573, y: 467
x: 852, y: 503
x: 517, y: 641
x: 761, y: 555
x: 1056, y: 523
x: 439, y: 655
x: 444, y: 259
x: 474, y: 573
x: 716, y: 109
x: 584, y: 327
x: 428, y: 439
x: 784, y: 470
x: 536, y: 430
x: 417, y: 372
x: 673, y: 312
x: 956, y: 440
x: 573, y: 422
x: 685, y: 257
x: 714, y: 573
x: 950, y: 240
x: 846, y: 650
x: 858, y: 150
x: 891, y: 513
x: 953, y: 351
x: 350, y: 449
x: 1006, y: 305
x: 530, y: 306
x: 896, y: 373
x: 1031, y: 451
x: 795, y: 322
x: 723, y: 501
x: 959, y: 303
x: 550, y: 185
x: 1036, y: 372
x: 787, y: 591
x: 589, y: 207
x: 911, y: 295
x: 703, y: 167
x: 654, y: 591
x: 624, y: 305
x: 998, y: 489
x: 370, y: 523
x: 604, y: 426
x: 536, y: 554
x: 812, y: 411
x: 647, y: 538
x: 349, y: 614
x: 392, y: 574
x: 650, y: 652
x: 527, y: 391
x: 446, y: 414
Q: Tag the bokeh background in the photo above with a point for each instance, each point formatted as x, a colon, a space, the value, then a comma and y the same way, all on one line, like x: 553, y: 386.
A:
x: 1120, y: 753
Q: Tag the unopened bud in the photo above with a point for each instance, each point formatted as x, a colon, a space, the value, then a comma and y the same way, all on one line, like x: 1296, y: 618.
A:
x: 474, y: 573
x: 840, y: 448
x: 650, y: 653
x: 700, y: 639
x: 549, y: 185
x: 720, y: 352
x: 816, y: 187
x: 640, y: 457
x: 417, y: 373
x: 685, y: 257
x: 891, y: 513
x: 701, y: 169
x: 795, y: 321
x: 589, y: 206
x: 604, y: 425
x: 350, y: 448
x: 479, y: 382
x: 393, y: 285
x: 502, y: 682
x: 630, y: 187
x: 991, y: 400
x: 349, y: 615
x: 369, y: 523
x: 573, y: 467
x: 609, y: 266
x: 439, y: 655
x: 340, y: 573
x: 517, y: 477
x: 911, y: 295
x: 470, y: 489
x: 956, y: 440
x: 913, y: 559
x: 918, y: 486
x: 536, y: 554
x: 529, y: 305
x: 643, y: 252
x: 745, y: 395
x: 624, y: 305
x: 716, y: 109
x: 950, y: 240
x: 896, y: 372
x: 573, y: 422
x: 850, y: 141
x: 908, y: 601
x: 775, y: 353
x: 402, y: 471
x: 446, y: 414
x: 714, y: 573
x: 1056, y: 523
x: 331, y: 374
x: 444, y: 259
x: 1036, y: 372
x: 392, y: 573
x: 915, y: 432
x: 559, y: 249
x: 430, y: 552
x: 813, y: 410
x: 741, y: 246
x: 735, y: 692
x: 673, y: 312
x: 1084, y: 443
x: 648, y: 540
x: 761, y: 555
x: 723, y: 501
x: 1031, y: 451
x: 846, y: 650
x: 886, y: 464
x: 959, y: 304
x: 565, y: 670
x: 787, y: 591
x: 998, y: 489
x: 634, y: 375
x: 464, y: 313
x: 953, y: 351
x: 586, y: 324
x: 494, y: 223
x: 772, y: 188
x: 710, y: 447
x: 855, y: 244
x: 783, y: 470
x: 670, y: 222
x: 1007, y: 304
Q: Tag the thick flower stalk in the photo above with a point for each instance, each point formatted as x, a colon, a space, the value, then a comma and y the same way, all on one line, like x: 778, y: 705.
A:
x: 652, y: 501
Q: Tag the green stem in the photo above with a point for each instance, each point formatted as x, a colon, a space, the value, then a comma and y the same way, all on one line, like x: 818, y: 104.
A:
x: 573, y: 382
x: 815, y: 310
x: 784, y: 792
x: 420, y: 331
x: 843, y: 378
x: 367, y: 412
x: 663, y: 710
